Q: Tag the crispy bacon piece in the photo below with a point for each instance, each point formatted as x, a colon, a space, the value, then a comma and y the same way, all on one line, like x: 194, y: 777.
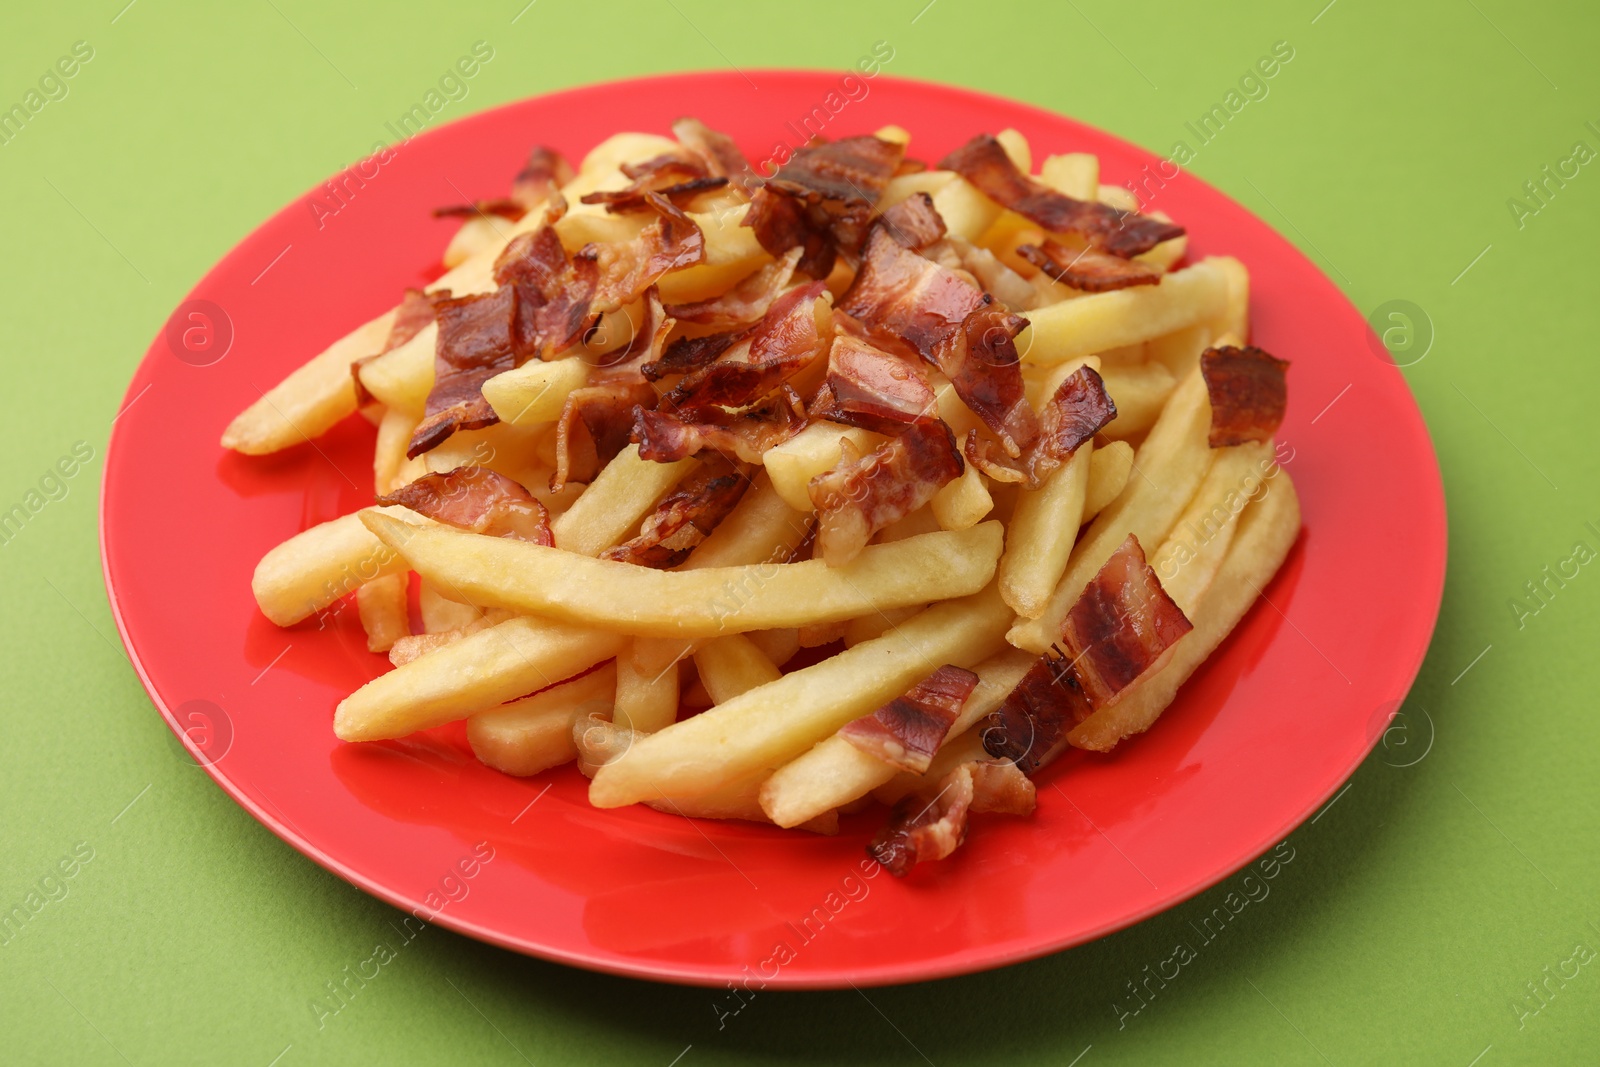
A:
x: 475, y: 344
x: 686, y: 516
x: 690, y: 353
x: 786, y: 341
x: 1122, y: 627
x: 864, y: 494
x: 909, y: 166
x: 1079, y: 409
x: 914, y: 222
x: 1248, y: 394
x: 414, y: 315
x: 717, y: 150
x: 554, y: 292
x: 870, y: 388
x: 745, y: 436
x: 1088, y: 269
x: 604, y: 411
x: 912, y: 305
x: 983, y: 162
x: 676, y: 178
x: 924, y: 829
x: 744, y: 303
x: 822, y: 199
x: 544, y: 172
x: 625, y: 271
x: 477, y: 499
x: 908, y: 730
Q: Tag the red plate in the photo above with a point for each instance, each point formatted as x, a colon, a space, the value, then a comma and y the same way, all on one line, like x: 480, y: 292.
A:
x: 1256, y: 741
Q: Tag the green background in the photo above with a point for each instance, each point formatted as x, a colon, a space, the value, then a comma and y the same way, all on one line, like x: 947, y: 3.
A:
x: 1419, y: 906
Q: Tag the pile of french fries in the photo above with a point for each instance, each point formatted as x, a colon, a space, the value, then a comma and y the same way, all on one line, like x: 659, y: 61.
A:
x: 668, y: 687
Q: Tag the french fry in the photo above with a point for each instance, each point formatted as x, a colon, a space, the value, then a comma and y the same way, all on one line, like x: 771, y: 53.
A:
x: 779, y: 646
x: 1266, y: 531
x: 476, y: 233
x: 440, y: 614
x: 1235, y: 318
x: 381, y: 604
x: 1168, y: 469
x: 1140, y: 392
x: 956, y: 751
x: 835, y: 772
x: 1039, y: 539
x: 1166, y: 254
x: 551, y: 582
x: 1109, y: 469
x: 319, y: 566
x: 905, y: 186
x: 1099, y: 321
x: 731, y: 666
x: 535, y: 733
x: 964, y: 502
x: 770, y: 725
x: 625, y: 490
x: 1179, y: 351
x: 536, y: 391
x: 877, y: 623
x: 1118, y: 196
x: 311, y: 399
x: 647, y: 700
x: 813, y: 450
x: 732, y: 254
x: 1016, y: 147
x: 1189, y: 559
x: 389, y: 454
x: 1077, y: 174
x: 473, y: 674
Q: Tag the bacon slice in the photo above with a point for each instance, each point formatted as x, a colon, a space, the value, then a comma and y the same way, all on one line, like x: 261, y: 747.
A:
x: 543, y: 173
x: 594, y: 426
x: 1122, y: 627
x: 923, y: 829
x: 677, y: 179
x: 1248, y: 394
x: 786, y: 341
x: 1079, y: 409
x: 744, y: 436
x: 414, y: 315
x: 475, y: 344
x: 870, y: 388
x: 554, y: 292
x: 686, y: 516
x: 908, y: 730
x: 1088, y: 269
x: 914, y: 222
x: 625, y: 271
x: 690, y: 353
x: 983, y: 162
x: 477, y: 499
x: 744, y: 303
x: 864, y: 494
x: 912, y: 305
x: 822, y: 200
x: 717, y: 150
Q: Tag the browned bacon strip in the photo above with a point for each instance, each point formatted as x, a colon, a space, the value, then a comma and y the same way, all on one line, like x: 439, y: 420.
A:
x: 475, y: 344
x: 744, y: 303
x: 604, y: 411
x: 908, y: 730
x: 554, y: 292
x: 544, y: 172
x: 1088, y: 269
x: 786, y: 341
x: 868, y: 387
x: 1079, y: 409
x: 914, y: 222
x: 625, y: 271
x: 477, y: 499
x: 691, y: 353
x: 676, y: 178
x: 822, y: 200
x: 686, y: 516
x: 1122, y: 627
x: 745, y: 436
x: 1248, y: 394
x: 413, y: 315
x: 717, y: 150
x: 930, y: 828
x: 983, y: 162
x: 864, y: 494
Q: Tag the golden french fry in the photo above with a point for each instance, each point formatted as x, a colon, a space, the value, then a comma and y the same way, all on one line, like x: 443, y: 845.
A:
x: 1266, y: 531
x: 963, y: 502
x: 1077, y: 174
x: 311, y: 399
x: 1109, y: 469
x: 476, y: 233
x: 1167, y: 253
x: 647, y: 699
x: 441, y: 613
x: 779, y: 646
x: 1189, y: 559
x: 535, y: 733
x: 770, y: 725
x: 877, y: 623
x: 536, y: 391
x: 1118, y: 196
x: 319, y: 566
x: 1016, y: 147
x: 1099, y: 321
x: 835, y: 772
x: 815, y: 449
x: 1179, y: 351
x: 473, y: 674
x: 1039, y: 539
x: 381, y: 604
x: 956, y: 751
x: 625, y: 490
x: 1168, y: 469
x: 905, y: 186
x: 1235, y: 318
x: 389, y: 454
x: 524, y: 577
x: 731, y: 666
x: 1140, y: 392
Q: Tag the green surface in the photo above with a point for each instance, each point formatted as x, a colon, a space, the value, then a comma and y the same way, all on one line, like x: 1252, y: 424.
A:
x: 1418, y: 909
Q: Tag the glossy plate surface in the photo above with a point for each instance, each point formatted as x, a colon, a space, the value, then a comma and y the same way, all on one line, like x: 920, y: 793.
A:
x: 1256, y: 741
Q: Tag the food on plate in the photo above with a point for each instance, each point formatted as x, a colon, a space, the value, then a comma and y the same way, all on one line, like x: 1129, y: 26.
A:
x: 776, y: 496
